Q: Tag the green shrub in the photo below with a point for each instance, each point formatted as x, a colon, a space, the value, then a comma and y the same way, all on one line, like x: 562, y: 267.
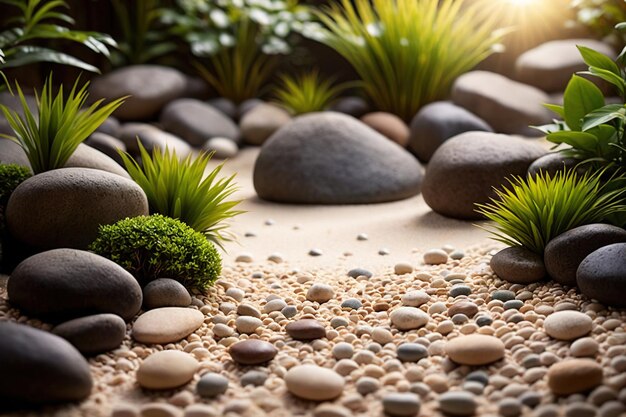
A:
x: 50, y: 135
x: 179, y: 189
x: 11, y: 176
x: 535, y: 210
x: 408, y: 53
x: 307, y: 93
x: 43, y: 20
x: 156, y: 246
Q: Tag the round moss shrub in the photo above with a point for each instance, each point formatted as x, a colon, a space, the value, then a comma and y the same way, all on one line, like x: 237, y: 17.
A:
x: 157, y: 246
x: 11, y: 175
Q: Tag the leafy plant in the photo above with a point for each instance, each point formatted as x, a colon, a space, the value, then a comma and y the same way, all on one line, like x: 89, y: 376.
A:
x: 34, y: 23
x: 409, y: 52
x: 143, y: 38
x: 235, y: 41
x: 307, y: 93
x: 50, y: 135
x: 532, y: 211
x: 179, y: 189
x: 11, y: 175
x: 601, y: 16
x: 157, y: 246
x: 593, y: 130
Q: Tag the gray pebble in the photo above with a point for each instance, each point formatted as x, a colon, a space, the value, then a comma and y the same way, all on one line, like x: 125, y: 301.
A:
x: 547, y: 410
x: 289, y: 311
x: 362, y: 236
x: 513, y: 304
x: 457, y: 290
x: 457, y: 255
x: 255, y: 378
x: 366, y: 385
x: 352, y: 304
x: 165, y: 292
x: 510, y: 407
x: 411, y: 352
x: 531, y: 399
x: 315, y: 252
x: 580, y: 409
x: 478, y: 376
x: 211, y: 385
x: 484, y: 321
x: 404, y: 404
x: 339, y: 322
x: 250, y: 234
x: 383, y: 251
x: 357, y: 272
x: 531, y: 361
x: 503, y: 295
x: 459, y: 319
x: 343, y: 350
x: 474, y: 387
x: 612, y: 409
x: 458, y: 403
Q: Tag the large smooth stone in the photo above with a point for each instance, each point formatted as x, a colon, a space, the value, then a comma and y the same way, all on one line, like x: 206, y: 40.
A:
x: 551, y: 65
x: 166, y: 325
x: 258, y: 124
x: 518, y: 265
x: 39, y: 368
x: 165, y: 292
x: 152, y: 137
x: 565, y: 252
x: 602, y: 275
x: 196, y: 122
x: 167, y: 369
x: 314, y: 383
x: 574, y: 375
x: 475, y: 349
x: 437, y: 122
x: 331, y: 158
x: 71, y: 283
x: 87, y: 157
x: 465, y: 169
x: 65, y: 207
x: 93, y: 334
x: 506, y: 105
x: 567, y: 325
x: 388, y: 125
x: 150, y: 88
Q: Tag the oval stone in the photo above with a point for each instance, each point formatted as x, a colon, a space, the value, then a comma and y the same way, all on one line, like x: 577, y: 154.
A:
x: 63, y: 208
x: 408, y: 318
x: 602, y: 275
x: 166, y: 325
x: 306, y: 329
x: 567, y: 325
x: 518, y: 265
x: 69, y: 283
x: 574, y: 375
x: 39, y: 367
x: 311, y: 382
x: 475, y: 349
x: 93, y: 334
x: 165, y: 292
x: 167, y: 369
x: 252, y: 352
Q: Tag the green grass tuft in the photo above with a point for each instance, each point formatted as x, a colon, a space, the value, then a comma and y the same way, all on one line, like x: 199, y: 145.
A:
x: 307, y: 93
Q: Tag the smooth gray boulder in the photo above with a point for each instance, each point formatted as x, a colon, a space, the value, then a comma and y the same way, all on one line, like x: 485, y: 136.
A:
x: 332, y: 158
x: 602, y: 275
x: 93, y: 334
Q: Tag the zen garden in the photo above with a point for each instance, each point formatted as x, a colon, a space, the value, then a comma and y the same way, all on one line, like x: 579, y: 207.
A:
x: 312, y: 208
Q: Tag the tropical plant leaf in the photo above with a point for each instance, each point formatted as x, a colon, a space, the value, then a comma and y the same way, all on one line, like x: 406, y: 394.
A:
x: 581, y: 98
x: 596, y: 59
x: 604, y: 115
x: 24, y: 55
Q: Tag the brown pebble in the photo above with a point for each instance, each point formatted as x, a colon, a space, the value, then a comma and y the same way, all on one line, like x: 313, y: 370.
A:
x: 574, y: 375
x: 252, y: 352
x: 306, y: 329
x: 463, y: 307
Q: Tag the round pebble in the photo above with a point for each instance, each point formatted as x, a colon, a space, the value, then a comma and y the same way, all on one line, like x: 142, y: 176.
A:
x: 311, y: 382
x: 475, y: 349
x: 399, y: 404
x: 411, y: 352
x: 352, y: 304
x: 458, y: 403
x: 573, y: 376
x: 403, y: 268
x: 211, y: 385
x: 435, y: 257
x: 165, y: 292
x: 255, y: 378
x: 252, y: 352
x: 408, y: 318
x: 166, y: 370
x: 320, y: 293
x: 306, y: 329
x: 247, y: 324
x: 414, y: 298
x: 567, y: 325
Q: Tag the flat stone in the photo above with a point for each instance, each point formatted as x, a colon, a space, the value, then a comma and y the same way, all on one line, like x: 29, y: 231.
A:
x: 388, y: 125
x: 320, y: 293
x: 506, y: 105
x: 346, y: 163
x: 254, y: 378
x: 567, y: 325
x: 311, y: 382
x: 247, y: 324
x: 437, y: 122
x: 196, y: 122
x: 166, y: 325
x: 415, y: 298
x: 93, y: 334
x: 211, y: 385
x: 602, y: 275
x: 574, y: 375
x: 42, y: 211
x: 503, y: 295
x: 464, y: 307
x: 252, y: 352
x: 518, y: 265
x: 306, y: 329
x: 261, y: 122
x: 564, y: 253
x: 466, y: 168
x: 458, y: 403
x: 475, y: 349
x: 401, y: 404
x: 40, y: 368
x: 165, y: 292
x: 435, y: 257
x: 68, y: 283
x: 149, y: 87
x: 352, y: 304
x: 357, y: 272
x: 411, y: 352
x: 408, y: 318
x: 166, y: 369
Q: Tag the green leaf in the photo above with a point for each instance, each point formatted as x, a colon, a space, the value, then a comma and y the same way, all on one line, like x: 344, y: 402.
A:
x: 604, y: 115
x: 556, y: 109
x: 596, y: 59
x: 579, y: 140
x: 581, y: 98
x: 24, y: 55
x: 609, y: 77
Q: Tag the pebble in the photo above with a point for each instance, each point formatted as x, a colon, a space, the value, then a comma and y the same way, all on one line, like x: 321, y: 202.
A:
x: 247, y: 324
x: 221, y: 330
x: 382, y: 335
x: 357, y: 272
x: 277, y: 258
x: 160, y: 410
x: 503, y: 295
x: 435, y: 257
x: 339, y: 322
x: 362, y: 237
x: 166, y: 325
x: 248, y: 310
x: 274, y: 305
x: 458, y: 403
x: 255, y: 378
x: 211, y: 385
x: 244, y: 258
x: 475, y: 349
x: 315, y: 252
x: 306, y: 329
x: 165, y: 292
x: 166, y: 369
x: 383, y: 251
x: 408, y: 318
x: 513, y: 304
x: 236, y: 294
x: 320, y: 293
x: 289, y: 311
x: 567, y: 325
x: 510, y: 407
x: 404, y: 404
x: 352, y: 304
x: 458, y: 290
x: 331, y: 410
x: 403, y: 268
x: 415, y: 298
x: 574, y: 375
x: 457, y: 255
x: 585, y: 346
x: 311, y: 382
x: 252, y: 352
x: 467, y: 308
x: 367, y: 385
x: 343, y: 350
x: 411, y: 352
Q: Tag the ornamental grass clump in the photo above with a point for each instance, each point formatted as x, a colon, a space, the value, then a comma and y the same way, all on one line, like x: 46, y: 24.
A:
x: 408, y: 53
x: 151, y: 247
x: 50, y: 135
x: 307, y: 93
x: 535, y: 210
x: 179, y: 189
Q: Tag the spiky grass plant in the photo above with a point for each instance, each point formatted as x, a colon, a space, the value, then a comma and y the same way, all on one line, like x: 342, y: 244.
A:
x: 179, y: 189
x: 307, y: 93
x: 534, y: 210
x: 50, y: 135
x: 409, y: 52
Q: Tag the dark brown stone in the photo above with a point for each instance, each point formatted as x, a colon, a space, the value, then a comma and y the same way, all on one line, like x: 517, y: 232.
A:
x: 306, y: 329
x: 463, y: 307
x: 252, y: 352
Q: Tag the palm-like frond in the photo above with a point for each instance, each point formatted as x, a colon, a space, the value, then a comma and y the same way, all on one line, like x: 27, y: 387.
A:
x: 179, y: 189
